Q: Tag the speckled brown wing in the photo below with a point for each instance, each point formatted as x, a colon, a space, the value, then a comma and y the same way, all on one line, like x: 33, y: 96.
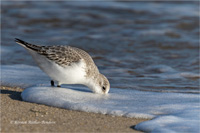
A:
x: 62, y: 55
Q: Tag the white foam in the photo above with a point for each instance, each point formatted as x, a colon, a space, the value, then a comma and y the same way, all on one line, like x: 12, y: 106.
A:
x: 167, y: 72
x: 22, y: 76
x: 171, y: 112
x: 184, y: 121
x: 161, y: 68
x: 190, y: 75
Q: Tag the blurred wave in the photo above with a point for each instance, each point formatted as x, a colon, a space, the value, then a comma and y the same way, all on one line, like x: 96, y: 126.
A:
x: 138, y: 45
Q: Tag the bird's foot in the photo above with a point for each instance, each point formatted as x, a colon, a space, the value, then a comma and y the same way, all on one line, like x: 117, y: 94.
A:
x: 52, y: 83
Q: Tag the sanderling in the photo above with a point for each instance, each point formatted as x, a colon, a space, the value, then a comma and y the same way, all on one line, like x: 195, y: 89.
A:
x: 68, y: 65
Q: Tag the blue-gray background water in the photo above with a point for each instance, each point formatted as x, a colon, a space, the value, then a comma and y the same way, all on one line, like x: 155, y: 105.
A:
x: 151, y: 46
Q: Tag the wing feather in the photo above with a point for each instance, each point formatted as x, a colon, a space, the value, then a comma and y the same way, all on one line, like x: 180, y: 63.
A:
x: 62, y: 55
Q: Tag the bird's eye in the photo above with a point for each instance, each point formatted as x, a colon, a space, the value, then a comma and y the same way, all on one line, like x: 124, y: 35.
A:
x: 104, y: 88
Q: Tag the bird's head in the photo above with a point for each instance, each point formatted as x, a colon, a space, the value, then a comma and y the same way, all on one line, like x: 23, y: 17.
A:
x: 101, y: 85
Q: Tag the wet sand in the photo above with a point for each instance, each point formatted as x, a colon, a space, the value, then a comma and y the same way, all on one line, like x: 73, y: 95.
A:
x: 20, y: 116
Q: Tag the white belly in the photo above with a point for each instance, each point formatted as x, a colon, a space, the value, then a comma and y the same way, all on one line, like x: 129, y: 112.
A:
x: 74, y: 74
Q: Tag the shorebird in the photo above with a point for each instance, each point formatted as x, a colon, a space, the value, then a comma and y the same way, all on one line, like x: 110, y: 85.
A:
x: 68, y: 65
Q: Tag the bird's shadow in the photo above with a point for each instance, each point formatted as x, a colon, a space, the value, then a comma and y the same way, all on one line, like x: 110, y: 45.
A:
x: 81, y: 90
x: 77, y: 88
x: 15, y: 95
x: 133, y: 127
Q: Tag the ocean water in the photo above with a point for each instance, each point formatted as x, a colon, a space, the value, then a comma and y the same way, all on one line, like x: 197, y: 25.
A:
x: 142, y: 47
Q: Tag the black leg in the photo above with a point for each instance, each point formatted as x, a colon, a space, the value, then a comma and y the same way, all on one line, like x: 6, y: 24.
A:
x: 52, y: 83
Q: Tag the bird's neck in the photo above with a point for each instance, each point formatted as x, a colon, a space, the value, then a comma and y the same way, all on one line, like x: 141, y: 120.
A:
x: 93, y: 84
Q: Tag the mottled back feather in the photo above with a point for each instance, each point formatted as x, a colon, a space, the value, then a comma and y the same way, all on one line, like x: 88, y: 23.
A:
x: 65, y: 56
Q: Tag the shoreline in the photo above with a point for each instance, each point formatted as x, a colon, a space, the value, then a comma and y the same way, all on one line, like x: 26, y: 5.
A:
x: 21, y: 116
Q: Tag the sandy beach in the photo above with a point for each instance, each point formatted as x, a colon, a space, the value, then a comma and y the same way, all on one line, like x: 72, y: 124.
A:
x: 20, y: 116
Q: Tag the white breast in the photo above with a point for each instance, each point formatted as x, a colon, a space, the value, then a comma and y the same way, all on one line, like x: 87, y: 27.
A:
x: 73, y: 74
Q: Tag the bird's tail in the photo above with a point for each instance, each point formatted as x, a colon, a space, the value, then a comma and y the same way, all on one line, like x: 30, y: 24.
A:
x: 27, y: 45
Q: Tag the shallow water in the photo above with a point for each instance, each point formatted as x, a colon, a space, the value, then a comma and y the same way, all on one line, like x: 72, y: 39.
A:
x: 152, y: 46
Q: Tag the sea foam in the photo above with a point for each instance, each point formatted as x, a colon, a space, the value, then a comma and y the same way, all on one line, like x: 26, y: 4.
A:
x: 170, y: 112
